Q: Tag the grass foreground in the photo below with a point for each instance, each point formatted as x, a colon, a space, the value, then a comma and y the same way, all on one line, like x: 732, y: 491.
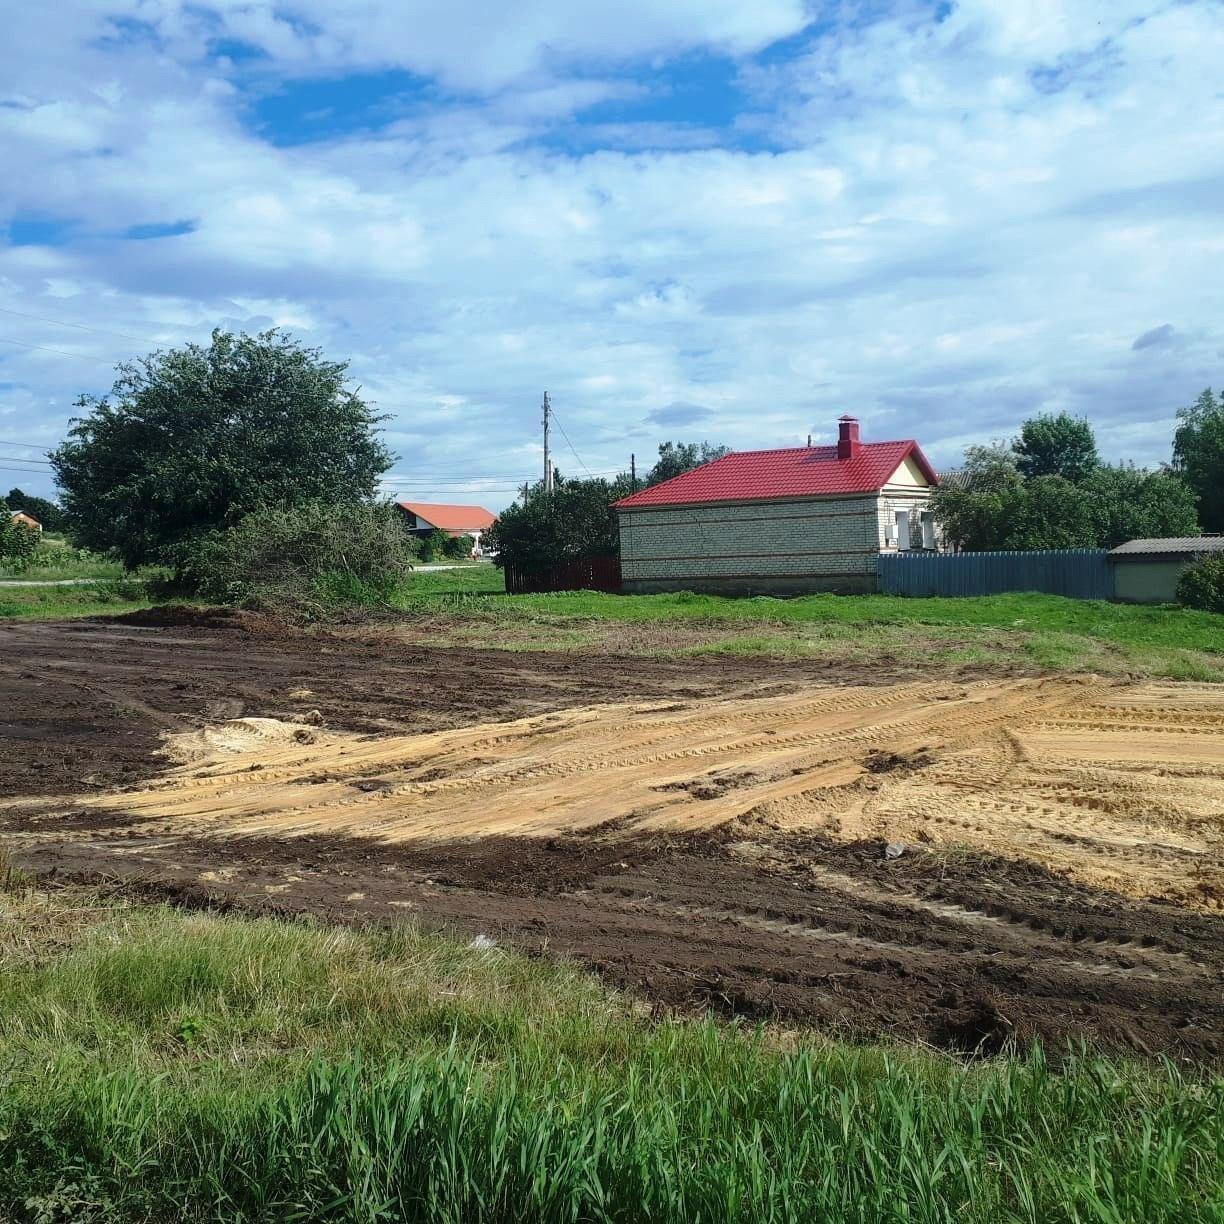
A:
x: 161, y: 1065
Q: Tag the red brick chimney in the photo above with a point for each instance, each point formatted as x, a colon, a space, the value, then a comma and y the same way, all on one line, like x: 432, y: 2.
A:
x: 847, y: 438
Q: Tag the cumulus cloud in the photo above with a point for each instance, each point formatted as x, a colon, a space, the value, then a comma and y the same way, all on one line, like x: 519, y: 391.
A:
x: 939, y: 218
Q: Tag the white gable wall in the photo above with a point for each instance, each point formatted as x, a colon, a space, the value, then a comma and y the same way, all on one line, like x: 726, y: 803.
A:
x: 908, y: 491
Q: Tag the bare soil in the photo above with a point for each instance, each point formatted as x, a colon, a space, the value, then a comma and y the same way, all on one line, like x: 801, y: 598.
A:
x: 709, y: 833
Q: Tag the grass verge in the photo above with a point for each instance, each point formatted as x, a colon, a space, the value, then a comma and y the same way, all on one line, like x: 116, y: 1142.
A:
x: 1044, y: 631
x: 161, y: 1065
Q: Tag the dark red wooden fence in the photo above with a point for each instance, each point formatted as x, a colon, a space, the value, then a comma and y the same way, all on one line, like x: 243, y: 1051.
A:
x: 584, y: 574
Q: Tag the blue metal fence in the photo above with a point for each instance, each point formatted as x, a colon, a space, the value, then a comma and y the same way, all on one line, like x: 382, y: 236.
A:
x: 1081, y: 573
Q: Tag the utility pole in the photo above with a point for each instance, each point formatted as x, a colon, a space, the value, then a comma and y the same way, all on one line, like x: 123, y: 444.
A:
x: 526, y: 492
x: 633, y: 473
x: 548, y: 472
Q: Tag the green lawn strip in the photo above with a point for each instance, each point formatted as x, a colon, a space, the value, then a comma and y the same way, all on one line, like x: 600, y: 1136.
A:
x: 55, y: 602
x: 159, y: 1065
x: 1043, y: 631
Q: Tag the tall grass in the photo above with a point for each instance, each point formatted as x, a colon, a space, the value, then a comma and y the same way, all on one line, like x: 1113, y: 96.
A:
x: 100, y: 598
x: 157, y: 1065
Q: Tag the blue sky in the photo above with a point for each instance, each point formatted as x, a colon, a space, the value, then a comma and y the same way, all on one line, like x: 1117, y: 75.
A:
x: 684, y: 218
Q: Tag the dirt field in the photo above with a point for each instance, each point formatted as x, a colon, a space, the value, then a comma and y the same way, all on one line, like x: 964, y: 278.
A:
x: 706, y: 832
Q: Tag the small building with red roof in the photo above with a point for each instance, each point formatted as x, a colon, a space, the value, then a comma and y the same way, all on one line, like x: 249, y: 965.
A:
x: 424, y: 518
x: 808, y: 518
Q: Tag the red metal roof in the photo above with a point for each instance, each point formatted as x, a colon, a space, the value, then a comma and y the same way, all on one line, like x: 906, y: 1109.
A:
x: 771, y: 475
x: 451, y: 518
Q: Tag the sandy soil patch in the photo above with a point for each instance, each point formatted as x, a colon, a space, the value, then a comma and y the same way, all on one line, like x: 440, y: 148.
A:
x: 1119, y: 788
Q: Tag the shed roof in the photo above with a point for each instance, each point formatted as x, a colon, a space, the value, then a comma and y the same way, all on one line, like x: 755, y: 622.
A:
x: 1169, y: 545
x: 451, y: 518
x: 776, y: 475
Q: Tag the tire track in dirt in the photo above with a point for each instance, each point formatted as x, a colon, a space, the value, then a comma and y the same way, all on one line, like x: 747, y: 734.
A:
x: 994, y: 774
x: 554, y: 774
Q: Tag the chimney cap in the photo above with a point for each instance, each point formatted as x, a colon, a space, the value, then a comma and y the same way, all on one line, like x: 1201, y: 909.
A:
x: 847, y: 417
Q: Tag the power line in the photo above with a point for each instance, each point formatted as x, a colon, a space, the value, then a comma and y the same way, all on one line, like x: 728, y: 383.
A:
x: 21, y: 314
x: 28, y: 471
x: 568, y: 443
x: 60, y: 352
x: 27, y: 445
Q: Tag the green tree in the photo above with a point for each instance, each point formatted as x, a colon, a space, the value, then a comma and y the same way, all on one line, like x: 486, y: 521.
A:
x: 991, y: 469
x: 1046, y: 512
x: 1198, y: 456
x: 676, y: 458
x: 990, y: 505
x: 1060, y: 445
x: 195, y: 438
x: 42, y: 508
x: 971, y: 509
x: 575, y: 520
x: 1127, y: 503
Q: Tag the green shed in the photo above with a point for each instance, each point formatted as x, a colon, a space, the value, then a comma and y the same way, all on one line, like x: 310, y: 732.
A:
x: 1146, y: 571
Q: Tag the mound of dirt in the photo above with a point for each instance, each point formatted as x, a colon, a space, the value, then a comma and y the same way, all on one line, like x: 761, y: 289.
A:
x: 180, y: 616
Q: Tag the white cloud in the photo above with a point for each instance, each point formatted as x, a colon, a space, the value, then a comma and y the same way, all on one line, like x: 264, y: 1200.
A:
x: 950, y: 224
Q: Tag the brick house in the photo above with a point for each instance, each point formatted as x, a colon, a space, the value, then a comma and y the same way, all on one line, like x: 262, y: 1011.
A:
x: 427, y: 517
x: 810, y: 518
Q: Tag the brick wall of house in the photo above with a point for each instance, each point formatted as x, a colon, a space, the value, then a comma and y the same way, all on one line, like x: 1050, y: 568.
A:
x: 824, y: 544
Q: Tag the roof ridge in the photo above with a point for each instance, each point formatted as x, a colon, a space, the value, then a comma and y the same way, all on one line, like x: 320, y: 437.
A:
x: 779, y: 450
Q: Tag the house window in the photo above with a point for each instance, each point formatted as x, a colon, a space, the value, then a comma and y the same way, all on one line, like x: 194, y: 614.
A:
x: 928, y: 530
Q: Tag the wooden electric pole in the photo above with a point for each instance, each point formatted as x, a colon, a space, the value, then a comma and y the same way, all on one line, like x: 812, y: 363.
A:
x: 633, y: 473
x: 548, y: 473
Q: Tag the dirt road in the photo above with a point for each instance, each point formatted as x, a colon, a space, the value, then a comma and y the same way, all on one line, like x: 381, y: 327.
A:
x: 709, y: 834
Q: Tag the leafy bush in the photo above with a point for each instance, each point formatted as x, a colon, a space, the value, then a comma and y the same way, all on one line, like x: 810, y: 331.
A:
x: 458, y: 548
x: 1201, y: 585
x: 18, y: 543
x: 442, y: 546
x: 303, y: 559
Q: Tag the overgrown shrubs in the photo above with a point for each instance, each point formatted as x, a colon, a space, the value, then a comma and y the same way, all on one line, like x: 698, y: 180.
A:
x: 305, y: 559
x: 18, y: 543
x: 1201, y: 585
x: 442, y: 546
